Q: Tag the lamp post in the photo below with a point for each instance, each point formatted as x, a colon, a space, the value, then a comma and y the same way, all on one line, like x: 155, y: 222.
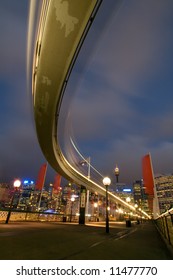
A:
x: 136, y: 206
x: 140, y: 213
x: 117, y: 172
x: 95, y: 210
x: 106, y: 183
x: 16, y: 184
x: 128, y: 222
x: 88, y: 162
x: 72, y: 201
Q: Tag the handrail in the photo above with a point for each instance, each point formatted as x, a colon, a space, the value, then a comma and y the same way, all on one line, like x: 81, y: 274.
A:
x: 166, y: 213
x: 164, y: 224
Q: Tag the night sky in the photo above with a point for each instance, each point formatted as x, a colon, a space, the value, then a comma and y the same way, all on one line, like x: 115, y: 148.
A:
x: 120, y: 91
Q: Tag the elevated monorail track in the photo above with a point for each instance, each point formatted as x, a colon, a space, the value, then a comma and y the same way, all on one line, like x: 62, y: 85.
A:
x: 63, y: 26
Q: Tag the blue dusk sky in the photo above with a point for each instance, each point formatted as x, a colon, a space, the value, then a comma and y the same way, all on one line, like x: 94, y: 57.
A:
x: 120, y: 91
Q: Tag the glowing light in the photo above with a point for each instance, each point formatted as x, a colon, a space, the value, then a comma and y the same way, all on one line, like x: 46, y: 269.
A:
x: 127, y: 190
x: 17, y: 183
x: 128, y: 199
x: 26, y: 182
x: 106, y: 181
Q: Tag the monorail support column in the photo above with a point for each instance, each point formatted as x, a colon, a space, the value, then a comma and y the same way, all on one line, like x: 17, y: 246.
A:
x: 83, y: 192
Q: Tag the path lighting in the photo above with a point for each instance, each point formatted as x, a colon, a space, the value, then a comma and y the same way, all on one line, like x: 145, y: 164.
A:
x: 106, y: 183
x: 117, y: 172
x: 136, y: 205
x: 95, y: 210
x: 140, y: 213
x: 72, y: 201
x: 16, y: 185
x: 87, y: 162
x: 95, y: 204
x: 128, y: 199
x: 128, y: 222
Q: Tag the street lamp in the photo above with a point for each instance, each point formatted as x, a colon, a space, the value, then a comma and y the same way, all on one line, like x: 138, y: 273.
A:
x: 106, y: 183
x: 16, y: 185
x: 72, y: 201
x: 88, y: 162
x: 128, y: 222
x: 95, y: 210
x: 117, y: 172
x: 136, y: 206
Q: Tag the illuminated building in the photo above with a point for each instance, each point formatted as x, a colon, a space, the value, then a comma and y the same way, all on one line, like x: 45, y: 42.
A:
x: 4, y: 195
x: 26, y: 195
x: 164, y: 189
x: 140, y: 197
x: 68, y: 192
x: 123, y: 191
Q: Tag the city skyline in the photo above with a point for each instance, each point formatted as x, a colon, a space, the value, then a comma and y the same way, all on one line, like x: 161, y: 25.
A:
x: 121, y: 104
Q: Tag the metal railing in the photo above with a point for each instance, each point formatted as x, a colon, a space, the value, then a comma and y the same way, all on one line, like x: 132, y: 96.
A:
x: 165, y: 225
x: 21, y: 216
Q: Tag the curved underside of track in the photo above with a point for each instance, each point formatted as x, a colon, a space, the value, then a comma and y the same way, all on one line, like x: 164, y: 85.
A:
x: 62, y: 30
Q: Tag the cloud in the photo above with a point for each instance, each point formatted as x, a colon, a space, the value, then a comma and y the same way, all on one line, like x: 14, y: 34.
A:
x: 121, y: 107
x: 13, y: 42
x: 19, y: 149
x: 132, y: 47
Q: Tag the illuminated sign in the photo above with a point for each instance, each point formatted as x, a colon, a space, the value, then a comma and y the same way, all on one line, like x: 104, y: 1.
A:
x: 28, y: 182
x: 127, y: 190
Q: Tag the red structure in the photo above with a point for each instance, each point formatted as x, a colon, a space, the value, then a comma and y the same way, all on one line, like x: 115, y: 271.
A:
x: 147, y: 173
x: 41, y: 177
x: 56, y: 185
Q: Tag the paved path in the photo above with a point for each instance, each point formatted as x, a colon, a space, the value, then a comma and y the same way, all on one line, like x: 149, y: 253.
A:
x: 63, y: 241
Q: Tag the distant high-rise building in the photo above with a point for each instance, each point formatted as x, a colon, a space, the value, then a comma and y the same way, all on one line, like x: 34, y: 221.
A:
x: 140, y: 197
x: 138, y: 190
x: 164, y: 189
x: 123, y: 191
x: 4, y: 194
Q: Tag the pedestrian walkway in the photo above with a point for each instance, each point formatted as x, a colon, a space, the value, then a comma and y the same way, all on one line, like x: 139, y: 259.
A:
x: 67, y: 241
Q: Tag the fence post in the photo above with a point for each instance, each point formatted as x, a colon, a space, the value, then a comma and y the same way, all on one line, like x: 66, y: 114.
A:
x: 167, y: 230
x: 171, y: 218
